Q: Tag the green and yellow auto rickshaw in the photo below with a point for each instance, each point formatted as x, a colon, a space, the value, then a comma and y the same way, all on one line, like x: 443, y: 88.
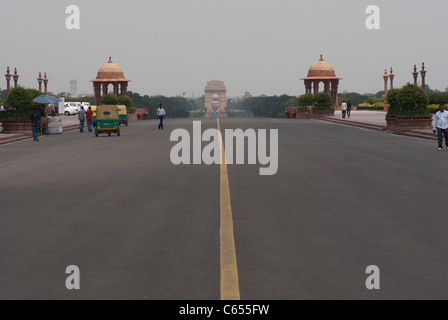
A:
x: 107, y: 120
x: 123, y: 114
x: 94, y: 115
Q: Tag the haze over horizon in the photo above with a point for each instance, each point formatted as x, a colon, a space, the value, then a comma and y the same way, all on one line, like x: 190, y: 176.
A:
x: 264, y: 47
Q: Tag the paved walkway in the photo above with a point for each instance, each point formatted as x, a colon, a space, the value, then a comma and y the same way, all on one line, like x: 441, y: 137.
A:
x: 68, y: 123
x: 376, y: 120
x: 373, y: 117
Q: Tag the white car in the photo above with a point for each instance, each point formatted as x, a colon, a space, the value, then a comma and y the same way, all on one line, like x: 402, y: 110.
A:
x: 71, y: 108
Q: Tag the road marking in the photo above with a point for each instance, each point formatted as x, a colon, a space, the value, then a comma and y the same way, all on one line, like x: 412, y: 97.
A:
x: 230, y: 289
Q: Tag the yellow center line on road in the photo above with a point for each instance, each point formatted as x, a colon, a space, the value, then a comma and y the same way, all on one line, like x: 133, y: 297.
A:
x: 230, y: 288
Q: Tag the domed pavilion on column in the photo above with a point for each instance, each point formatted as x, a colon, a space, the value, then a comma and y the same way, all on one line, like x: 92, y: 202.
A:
x: 110, y: 74
x: 323, y: 72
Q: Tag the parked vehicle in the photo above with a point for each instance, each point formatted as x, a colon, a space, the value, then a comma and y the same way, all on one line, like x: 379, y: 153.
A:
x: 107, y: 120
x: 71, y: 108
x: 86, y: 105
x: 123, y: 113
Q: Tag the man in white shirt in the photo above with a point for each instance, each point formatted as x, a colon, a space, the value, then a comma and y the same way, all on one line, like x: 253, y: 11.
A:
x: 441, y: 124
x: 344, y: 109
x: 161, y: 114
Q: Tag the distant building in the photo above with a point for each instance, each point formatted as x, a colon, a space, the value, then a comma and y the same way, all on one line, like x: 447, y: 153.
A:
x: 74, y: 88
x: 247, y: 95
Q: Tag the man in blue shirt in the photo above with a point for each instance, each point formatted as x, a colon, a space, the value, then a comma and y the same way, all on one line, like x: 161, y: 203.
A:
x: 35, y: 120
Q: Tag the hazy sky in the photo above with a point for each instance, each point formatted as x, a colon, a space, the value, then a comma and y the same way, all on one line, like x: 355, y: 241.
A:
x: 263, y: 46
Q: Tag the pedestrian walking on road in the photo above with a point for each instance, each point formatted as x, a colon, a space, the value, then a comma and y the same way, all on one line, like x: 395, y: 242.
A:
x: 89, y: 116
x: 161, y: 114
x: 349, y: 108
x: 440, y: 126
x: 82, y: 119
x: 344, y: 109
x: 35, y: 121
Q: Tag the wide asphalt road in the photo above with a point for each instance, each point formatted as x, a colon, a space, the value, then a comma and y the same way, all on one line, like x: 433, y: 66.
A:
x: 139, y: 227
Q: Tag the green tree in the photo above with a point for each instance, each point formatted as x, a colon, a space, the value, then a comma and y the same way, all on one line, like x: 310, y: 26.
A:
x: 291, y: 103
x: 307, y: 100
x: 21, y: 101
x: 19, y: 98
x: 109, y: 100
x: 371, y: 101
x: 410, y: 100
x: 126, y: 101
x: 323, y: 101
x: 442, y: 99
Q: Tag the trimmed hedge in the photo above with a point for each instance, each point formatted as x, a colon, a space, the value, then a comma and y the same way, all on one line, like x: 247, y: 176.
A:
x: 433, y: 108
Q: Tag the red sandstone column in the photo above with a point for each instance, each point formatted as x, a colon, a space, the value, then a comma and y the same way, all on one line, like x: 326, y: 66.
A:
x: 423, y: 72
x: 105, y: 86
x: 8, y: 81
x: 16, y: 78
x: 331, y: 90
x: 386, y: 78
x: 336, y: 95
x: 327, y: 86
x: 124, y: 88
x: 415, y: 74
x: 97, y: 89
x: 391, y: 77
x: 39, y: 80
x: 46, y: 83
x: 115, y: 84
x: 316, y: 87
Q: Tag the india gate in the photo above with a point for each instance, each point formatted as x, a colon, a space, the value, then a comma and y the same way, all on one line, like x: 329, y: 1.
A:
x: 215, y: 98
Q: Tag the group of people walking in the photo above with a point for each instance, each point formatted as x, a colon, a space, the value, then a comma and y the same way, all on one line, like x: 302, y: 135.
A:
x: 83, y: 116
x: 346, y: 108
